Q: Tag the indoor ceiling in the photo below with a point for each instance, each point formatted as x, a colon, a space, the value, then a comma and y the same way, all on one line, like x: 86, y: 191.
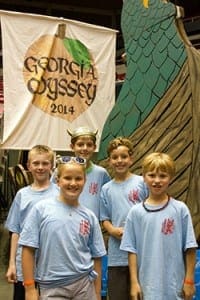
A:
x: 100, y: 12
x: 105, y: 13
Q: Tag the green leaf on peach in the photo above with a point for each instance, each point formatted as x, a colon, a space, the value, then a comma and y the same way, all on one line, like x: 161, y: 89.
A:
x: 78, y: 51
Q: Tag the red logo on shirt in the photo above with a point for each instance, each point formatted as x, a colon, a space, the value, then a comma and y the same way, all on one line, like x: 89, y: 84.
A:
x: 93, y: 189
x: 84, y: 227
x: 168, y: 226
x: 133, y: 196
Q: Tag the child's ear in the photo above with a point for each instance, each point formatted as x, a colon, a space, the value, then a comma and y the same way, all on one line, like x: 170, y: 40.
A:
x: 28, y: 165
x: 72, y: 146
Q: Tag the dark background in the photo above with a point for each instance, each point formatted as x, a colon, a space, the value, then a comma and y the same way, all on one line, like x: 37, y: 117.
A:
x: 101, y: 12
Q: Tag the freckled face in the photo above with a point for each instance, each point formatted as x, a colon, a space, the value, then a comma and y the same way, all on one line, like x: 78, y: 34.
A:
x: 71, y: 182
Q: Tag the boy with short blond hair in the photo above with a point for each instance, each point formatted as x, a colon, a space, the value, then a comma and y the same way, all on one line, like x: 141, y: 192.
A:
x: 40, y: 163
x: 159, y: 238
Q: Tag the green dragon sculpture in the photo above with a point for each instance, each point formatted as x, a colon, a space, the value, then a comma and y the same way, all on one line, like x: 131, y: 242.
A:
x: 158, y: 107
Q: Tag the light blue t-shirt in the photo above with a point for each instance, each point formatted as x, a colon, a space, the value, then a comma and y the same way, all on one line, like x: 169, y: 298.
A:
x: 23, y: 202
x: 96, y: 177
x: 67, y: 239
x: 159, y: 239
x: 117, y: 198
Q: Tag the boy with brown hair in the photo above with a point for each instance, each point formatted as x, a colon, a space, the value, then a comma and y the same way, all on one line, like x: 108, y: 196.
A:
x: 117, y: 197
x: 40, y: 163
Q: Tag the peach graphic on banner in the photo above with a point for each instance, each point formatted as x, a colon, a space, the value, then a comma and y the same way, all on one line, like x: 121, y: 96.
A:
x: 61, y: 75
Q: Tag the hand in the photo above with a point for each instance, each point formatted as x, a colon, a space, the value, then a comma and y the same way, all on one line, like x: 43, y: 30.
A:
x: 31, y: 293
x: 98, y: 296
x: 117, y: 232
x: 11, y: 274
x: 137, y: 297
x: 136, y: 292
x: 188, y: 291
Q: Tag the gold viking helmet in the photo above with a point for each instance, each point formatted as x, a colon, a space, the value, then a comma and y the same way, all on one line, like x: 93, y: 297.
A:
x: 81, y: 131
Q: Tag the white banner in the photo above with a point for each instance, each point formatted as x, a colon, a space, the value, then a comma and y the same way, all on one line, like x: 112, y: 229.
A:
x: 58, y: 74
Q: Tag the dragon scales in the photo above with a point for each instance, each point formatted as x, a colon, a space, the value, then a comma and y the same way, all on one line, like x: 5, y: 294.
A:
x: 158, y: 107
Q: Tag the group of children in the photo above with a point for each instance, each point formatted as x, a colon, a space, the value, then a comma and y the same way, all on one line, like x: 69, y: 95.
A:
x: 56, y: 237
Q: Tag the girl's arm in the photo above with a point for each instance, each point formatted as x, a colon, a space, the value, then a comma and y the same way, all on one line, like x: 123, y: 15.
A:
x: 28, y: 267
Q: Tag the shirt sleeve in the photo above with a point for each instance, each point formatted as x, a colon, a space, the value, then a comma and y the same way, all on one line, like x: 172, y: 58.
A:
x: 189, y: 240
x: 128, y: 242
x: 96, y: 241
x: 13, y: 219
x: 105, y: 205
x: 31, y: 229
